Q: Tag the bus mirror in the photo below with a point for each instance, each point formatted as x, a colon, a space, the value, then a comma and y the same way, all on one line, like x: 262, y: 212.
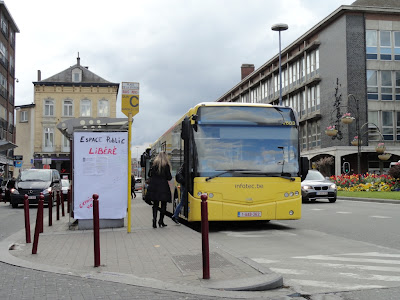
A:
x: 185, y: 128
x: 304, y: 166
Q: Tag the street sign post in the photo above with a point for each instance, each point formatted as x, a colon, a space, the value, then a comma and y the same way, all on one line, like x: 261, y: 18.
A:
x: 130, y: 98
x: 130, y: 107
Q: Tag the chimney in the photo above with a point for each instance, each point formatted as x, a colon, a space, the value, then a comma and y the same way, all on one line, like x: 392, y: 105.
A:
x: 246, y: 70
x: 39, y: 75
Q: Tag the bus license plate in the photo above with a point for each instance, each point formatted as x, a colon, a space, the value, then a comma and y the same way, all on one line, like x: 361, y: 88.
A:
x: 31, y: 197
x: 322, y: 193
x: 249, y: 213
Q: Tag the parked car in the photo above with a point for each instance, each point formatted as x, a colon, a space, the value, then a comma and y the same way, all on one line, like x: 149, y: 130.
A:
x: 138, y: 184
x: 316, y: 186
x: 32, y: 182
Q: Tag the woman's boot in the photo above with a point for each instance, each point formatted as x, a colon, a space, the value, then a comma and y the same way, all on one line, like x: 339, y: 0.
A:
x: 161, y: 221
x: 154, y: 216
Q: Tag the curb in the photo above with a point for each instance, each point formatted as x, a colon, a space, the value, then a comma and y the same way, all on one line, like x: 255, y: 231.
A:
x: 370, y: 200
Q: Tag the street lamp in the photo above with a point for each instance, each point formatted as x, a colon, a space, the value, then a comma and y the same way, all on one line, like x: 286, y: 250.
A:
x: 280, y: 27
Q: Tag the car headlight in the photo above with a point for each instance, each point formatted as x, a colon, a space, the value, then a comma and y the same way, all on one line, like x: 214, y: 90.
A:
x: 46, y: 191
x: 333, y: 186
x: 14, y: 191
x: 306, y: 187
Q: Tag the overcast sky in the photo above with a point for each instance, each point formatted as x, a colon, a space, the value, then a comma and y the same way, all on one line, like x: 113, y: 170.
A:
x: 182, y: 52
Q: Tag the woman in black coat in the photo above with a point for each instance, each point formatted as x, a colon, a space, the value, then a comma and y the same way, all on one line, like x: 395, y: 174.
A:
x: 160, y: 174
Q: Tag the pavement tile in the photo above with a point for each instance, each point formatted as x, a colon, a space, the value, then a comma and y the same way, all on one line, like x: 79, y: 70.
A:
x: 166, y: 257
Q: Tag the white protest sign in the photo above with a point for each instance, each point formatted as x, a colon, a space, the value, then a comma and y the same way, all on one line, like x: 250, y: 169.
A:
x: 100, y: 167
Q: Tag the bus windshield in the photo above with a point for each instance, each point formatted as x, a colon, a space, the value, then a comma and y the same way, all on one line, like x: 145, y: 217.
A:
x: 246, y: 150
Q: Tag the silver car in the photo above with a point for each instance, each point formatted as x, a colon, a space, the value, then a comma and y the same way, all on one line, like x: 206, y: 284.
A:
x: 316, y: 186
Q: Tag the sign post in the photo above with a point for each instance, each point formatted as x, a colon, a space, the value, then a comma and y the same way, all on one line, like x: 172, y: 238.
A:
x: 130, y: 107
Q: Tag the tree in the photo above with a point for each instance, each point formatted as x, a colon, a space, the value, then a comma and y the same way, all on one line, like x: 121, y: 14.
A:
x: 395, y: 171
x: 324, y: 165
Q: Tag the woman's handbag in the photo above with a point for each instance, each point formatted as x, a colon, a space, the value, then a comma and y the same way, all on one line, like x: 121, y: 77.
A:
x: 147, y: 198
x: 179, y: 176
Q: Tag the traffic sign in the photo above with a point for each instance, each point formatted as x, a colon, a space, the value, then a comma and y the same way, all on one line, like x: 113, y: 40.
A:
x: 130, y: 98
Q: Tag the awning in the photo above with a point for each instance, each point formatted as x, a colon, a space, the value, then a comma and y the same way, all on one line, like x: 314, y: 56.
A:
x: 5, y: 145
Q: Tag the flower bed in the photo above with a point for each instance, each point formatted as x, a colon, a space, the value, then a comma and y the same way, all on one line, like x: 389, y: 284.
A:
x: 366, y: 182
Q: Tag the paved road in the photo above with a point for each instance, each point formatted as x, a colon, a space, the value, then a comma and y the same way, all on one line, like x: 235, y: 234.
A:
x: 334, y: 247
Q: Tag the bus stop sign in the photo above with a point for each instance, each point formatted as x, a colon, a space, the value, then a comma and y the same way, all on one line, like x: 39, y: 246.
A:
x: 130, y: 98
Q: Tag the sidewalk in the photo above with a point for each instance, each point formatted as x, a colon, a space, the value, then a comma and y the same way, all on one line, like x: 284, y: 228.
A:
x: 168, y: 258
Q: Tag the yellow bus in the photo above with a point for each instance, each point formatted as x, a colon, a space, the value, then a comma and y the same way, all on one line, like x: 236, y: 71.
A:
x: 244, y: 156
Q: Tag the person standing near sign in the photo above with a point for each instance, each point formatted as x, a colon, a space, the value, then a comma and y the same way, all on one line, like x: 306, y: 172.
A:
x: 133, y: 182
x: 159, y: 190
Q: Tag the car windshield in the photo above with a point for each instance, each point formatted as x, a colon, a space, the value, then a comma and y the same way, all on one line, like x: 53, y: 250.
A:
x: 314, y: 175
x: 35, y: 175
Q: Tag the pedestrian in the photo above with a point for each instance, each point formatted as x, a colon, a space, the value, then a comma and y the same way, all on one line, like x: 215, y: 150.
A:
x: 159, y: 191
x: 133, y: 182
x: 180, y: 178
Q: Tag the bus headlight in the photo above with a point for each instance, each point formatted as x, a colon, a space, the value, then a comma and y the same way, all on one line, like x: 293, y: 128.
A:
x: 296, y: 193
x: 291, y: 212
x: 286, y: 194
x: 210, y: 195
x: 199, y: 194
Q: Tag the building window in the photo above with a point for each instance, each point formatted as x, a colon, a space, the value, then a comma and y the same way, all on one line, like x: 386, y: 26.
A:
x: 48, y: 139
x: 65, y: 144
x: 48, y: 108
x: 314, y: 135
x: 396, y: 45
x: 23, y: 116
x: 385, y: 45
x: 304, y: 138
x: 373, y: 132
x: 398, y: 126
x: 3, y: 55
x: 86, y: 108
x: 372, y: 44
x: 386, y: 85
x: 67, y: 108
x: 372, y: 85
x: 397, y: 90
x: 11, y: 93
x: 104, y: 108
x: 76, y: 75
x: 387, y: 125
x: 4, y: 26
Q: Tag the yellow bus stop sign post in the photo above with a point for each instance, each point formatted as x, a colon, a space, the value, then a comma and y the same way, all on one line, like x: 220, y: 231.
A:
x: 130, y: 107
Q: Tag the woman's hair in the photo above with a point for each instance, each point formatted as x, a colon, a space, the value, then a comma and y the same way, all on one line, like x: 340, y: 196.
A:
x: 161, y: 161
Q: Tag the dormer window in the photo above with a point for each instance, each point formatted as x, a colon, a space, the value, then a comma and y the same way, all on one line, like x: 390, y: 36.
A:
x: 76, y: 75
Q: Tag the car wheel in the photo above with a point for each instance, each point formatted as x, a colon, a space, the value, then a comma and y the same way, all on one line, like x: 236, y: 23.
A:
x: 304, y: 200
x: 332, y: 200
x: 14, y: 205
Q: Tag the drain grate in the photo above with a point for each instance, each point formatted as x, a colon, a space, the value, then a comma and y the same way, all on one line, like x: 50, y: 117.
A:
x: 195, y: 262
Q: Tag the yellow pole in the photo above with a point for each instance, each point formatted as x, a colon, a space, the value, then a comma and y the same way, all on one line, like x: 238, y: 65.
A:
x: 129, y: 170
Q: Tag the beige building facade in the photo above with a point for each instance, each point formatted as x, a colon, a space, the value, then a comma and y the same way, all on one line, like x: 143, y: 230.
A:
x: 73, y: 93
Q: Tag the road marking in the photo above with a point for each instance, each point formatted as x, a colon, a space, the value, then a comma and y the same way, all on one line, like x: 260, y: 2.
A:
x: 264, y: 260
x: 344, y: 212
x: 317, y: 209
x: 360, y: 267
x: 290, y: 271
x: 372, y: 277
x: 381, y: 217
x: 258, y: 234
x: 373, y: 254
x: 333, y: 285
x: 326, y: 257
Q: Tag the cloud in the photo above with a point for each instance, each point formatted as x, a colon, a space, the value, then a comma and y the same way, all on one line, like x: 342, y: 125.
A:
x: 182, y: 52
